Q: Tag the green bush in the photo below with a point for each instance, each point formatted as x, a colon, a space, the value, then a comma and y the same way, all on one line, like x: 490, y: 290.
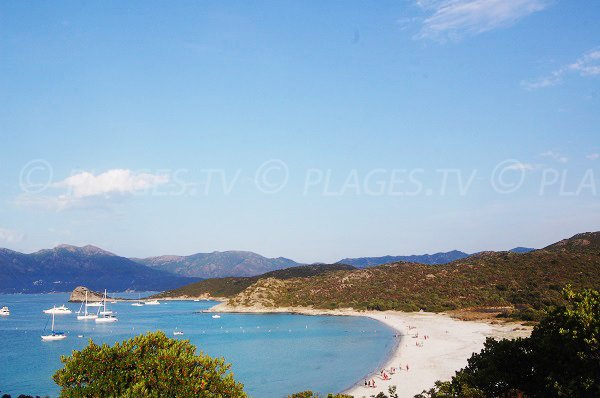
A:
x: 146, y: 366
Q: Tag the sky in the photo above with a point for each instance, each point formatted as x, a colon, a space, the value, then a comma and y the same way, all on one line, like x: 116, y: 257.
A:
x: 305, y: 129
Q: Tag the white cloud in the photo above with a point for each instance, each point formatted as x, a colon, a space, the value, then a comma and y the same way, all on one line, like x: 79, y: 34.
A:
x: 113, y: 181
x: 593, y: 156
x: 587, y: 65
x: 555, y: 155
x: 452, y: 19
x: 88, y: 190
x: 10, y: 236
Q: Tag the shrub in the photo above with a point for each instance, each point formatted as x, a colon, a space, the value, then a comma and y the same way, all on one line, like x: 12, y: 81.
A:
x: 145, y: 366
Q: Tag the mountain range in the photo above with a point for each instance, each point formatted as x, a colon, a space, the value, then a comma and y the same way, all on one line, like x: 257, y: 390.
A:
x: 217, y: 264
x: 430, y: 259
x: 65, y: 267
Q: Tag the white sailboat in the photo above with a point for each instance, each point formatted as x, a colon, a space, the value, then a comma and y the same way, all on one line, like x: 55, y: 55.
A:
x: 177, y: 332
x: 104, y: 315
x: 86, y: 315
x: 54, y: 335
x: 62, y: 310
x: 4, y: 311
x: 139, y: 302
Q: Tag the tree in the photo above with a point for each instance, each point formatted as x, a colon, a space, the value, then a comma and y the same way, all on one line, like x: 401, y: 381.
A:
x: 566, y: 348
x: 560, y: 359
x: 146, y: 366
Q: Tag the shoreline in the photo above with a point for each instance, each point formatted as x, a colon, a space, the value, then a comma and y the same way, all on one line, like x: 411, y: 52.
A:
x: 448, y: 345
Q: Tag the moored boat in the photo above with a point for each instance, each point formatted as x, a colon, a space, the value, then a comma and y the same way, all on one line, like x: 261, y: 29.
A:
x: 62, y: 310
x: 54, y: 335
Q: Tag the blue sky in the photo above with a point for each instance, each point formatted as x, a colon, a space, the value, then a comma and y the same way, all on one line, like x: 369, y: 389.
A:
x: 311, y: 130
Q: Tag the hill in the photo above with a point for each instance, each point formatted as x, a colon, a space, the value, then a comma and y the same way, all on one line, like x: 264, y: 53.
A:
x: 217, y: 264
x: 65, y: 267
x: 528, y: 282
x: 229, y: 287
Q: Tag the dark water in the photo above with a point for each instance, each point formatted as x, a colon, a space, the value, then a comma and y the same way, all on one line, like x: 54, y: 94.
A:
x: 273, y: 355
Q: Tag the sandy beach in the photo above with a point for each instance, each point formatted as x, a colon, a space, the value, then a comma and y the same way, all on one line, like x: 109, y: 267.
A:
x: 433, y: 345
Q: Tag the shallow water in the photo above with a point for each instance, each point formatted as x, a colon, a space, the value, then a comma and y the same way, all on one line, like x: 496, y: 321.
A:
x: 272, y: 354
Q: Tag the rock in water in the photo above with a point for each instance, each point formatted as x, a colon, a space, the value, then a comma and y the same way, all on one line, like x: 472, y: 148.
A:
x: 78, y: 295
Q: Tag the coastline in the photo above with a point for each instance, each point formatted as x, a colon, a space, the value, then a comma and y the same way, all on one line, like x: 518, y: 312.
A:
x: 434, y: 346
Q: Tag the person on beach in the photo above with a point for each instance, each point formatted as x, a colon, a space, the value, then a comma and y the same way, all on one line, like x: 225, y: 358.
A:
x: 365, y: 382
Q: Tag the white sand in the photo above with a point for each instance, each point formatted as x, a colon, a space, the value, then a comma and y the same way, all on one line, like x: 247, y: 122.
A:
x: 450, y: 342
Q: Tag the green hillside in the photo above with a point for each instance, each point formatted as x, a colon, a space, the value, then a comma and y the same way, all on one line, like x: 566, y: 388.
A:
x: 229, y: 287
x: 528, y: 281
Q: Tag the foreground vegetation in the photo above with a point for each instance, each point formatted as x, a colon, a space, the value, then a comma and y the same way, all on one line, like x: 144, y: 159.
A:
x: 560, y: 359
x: 146, y: 366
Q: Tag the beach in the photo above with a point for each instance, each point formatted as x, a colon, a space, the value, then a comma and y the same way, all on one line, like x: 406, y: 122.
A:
x: 434, y: 346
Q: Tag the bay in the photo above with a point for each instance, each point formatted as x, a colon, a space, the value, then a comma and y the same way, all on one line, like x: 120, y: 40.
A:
x: 273, y: 355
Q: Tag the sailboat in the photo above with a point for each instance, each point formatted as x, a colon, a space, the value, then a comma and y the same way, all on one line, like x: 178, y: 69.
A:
x: 139, y: 302
x: 54, y: 335
x: 104, y: 315
x: 86, y: 314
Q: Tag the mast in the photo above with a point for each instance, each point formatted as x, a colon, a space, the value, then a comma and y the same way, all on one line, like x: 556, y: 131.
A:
x: 53, y: 321
x: 86, y: 303
x: 104, y: 300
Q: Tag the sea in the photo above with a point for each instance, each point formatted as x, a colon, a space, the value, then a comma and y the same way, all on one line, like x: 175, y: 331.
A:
x: 273, y: 355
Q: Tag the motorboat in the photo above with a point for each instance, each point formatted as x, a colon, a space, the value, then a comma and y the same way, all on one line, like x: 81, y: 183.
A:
x: 62, y: 310
x: 216, y: 316
x: 4, y: 311
x: 152, y: 302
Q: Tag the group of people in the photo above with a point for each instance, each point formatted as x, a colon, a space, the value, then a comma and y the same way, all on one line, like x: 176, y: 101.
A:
x: 370, y: 383
x: 385, y: 375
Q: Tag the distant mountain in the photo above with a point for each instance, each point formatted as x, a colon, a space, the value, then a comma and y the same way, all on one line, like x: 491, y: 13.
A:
x: 521, y: 250
x: 430, y: 259
x: 230, y: 286
x: 65, y: 267
x: 217, y: 264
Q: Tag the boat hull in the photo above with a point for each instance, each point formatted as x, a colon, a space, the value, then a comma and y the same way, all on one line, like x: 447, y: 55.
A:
x: 86, y: 317
x: 54, y: 337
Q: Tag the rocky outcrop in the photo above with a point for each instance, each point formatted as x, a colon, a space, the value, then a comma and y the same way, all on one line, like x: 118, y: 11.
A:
x: 78, y: 295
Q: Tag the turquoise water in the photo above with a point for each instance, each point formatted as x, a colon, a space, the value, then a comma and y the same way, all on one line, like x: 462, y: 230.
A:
x: 272, y: 354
